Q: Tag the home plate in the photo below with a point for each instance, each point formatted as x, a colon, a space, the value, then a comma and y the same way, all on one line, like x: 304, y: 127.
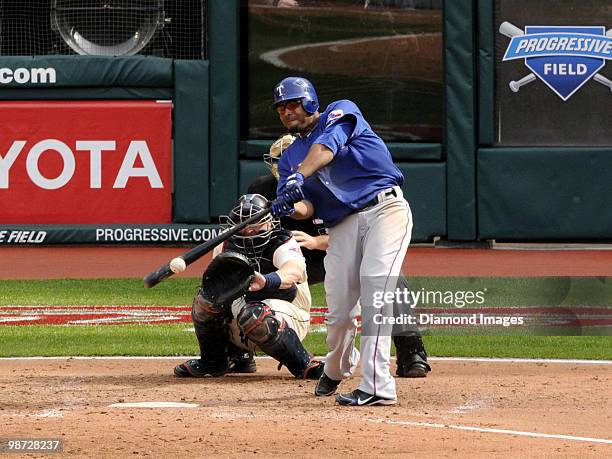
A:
x: 154, y: 405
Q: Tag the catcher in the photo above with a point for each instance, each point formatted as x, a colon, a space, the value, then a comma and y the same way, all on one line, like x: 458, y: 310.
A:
x: 312, y: 237
x: 254, y: 295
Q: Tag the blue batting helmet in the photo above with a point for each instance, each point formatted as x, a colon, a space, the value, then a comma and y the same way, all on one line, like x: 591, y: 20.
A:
x: 297, y: 88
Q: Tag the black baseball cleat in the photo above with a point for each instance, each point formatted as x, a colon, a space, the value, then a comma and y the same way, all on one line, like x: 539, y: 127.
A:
x: 326, y: 386
x: 196, y: 368
x: 361, y: 398
x: 414, y: 366
x: 242, y: 363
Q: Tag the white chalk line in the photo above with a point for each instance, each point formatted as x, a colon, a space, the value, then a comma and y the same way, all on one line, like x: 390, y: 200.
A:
x: 233, y: 415
x: 265, y: 357
x: 487, y: 430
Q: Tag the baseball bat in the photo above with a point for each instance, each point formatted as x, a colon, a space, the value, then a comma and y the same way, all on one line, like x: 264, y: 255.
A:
x: 164, y: 271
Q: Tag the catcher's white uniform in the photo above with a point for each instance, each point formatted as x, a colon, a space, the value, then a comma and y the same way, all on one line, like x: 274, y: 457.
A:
x: 295, y: 313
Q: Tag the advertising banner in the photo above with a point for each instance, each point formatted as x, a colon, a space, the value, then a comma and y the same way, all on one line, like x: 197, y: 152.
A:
x: 134, y: 234
x: 553, y: 80
x: 85, y: 162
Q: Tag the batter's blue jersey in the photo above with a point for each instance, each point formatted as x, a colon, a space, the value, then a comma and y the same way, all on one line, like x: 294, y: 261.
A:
x: 362, y: 166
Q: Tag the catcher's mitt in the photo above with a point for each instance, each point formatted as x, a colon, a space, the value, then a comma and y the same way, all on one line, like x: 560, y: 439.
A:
x: 227, y: 277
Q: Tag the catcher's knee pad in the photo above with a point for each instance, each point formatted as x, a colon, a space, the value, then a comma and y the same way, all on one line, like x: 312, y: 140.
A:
x: 257, y: 322
x: 275, y: 338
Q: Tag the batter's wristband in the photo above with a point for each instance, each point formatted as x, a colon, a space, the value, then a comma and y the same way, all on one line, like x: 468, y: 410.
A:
x: 273, y: 280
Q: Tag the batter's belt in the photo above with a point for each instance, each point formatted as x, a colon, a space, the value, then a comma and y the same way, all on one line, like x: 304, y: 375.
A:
x: 389, y: 193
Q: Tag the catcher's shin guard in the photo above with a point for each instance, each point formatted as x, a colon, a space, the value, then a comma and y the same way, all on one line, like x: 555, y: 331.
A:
x: 276, y: 339
x: 212, y: 331
x: 411, y: 356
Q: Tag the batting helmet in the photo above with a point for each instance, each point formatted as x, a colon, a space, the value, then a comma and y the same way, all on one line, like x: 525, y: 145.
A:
x: 251, y: 245
x: 292, y: 88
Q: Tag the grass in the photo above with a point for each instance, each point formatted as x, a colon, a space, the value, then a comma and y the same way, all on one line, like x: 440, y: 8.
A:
x: 176, y: 339
x: 86, y: 292
x: 57, y: 340
x: 541, y: 291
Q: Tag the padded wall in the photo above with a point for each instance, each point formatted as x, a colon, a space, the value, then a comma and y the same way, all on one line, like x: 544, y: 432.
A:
x: 191, y: 151
x: 461, y: 118
x: 545, y: 193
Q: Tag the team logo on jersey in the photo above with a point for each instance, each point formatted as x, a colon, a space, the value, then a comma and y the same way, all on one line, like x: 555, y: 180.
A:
x: 334, y: 115
x: 563, y: 57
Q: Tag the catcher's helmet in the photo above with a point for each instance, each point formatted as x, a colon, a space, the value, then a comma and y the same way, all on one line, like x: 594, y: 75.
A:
x: 292, y: 88
x: 251, y: 245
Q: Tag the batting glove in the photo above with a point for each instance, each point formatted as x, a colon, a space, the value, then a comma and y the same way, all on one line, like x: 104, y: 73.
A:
x: 293, y: 195
x: 294, y: 181
x: 281, y: 208
x: 283, y: 205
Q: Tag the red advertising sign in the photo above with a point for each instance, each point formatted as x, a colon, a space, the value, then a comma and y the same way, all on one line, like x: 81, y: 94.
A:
x: 85, y: 162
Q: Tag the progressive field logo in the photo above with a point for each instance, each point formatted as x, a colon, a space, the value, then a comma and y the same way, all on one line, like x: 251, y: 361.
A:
x: 563, y: 57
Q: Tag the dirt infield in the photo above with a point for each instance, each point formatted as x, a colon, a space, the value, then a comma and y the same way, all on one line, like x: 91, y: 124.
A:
x: 462, y: 409
x: 119, y: 262
x: 466, y: 409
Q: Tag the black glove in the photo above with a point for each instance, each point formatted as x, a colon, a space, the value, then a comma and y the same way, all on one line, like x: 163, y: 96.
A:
x: 228, y: 277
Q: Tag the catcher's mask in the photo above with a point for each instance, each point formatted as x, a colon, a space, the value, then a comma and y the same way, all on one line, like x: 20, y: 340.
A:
x: 292, y: 88
x: 276, y: 150
x: 251, y: 244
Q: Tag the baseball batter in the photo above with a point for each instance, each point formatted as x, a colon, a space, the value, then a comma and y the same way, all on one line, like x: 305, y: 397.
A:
x: 411, y: 359
x: 341, y: 171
